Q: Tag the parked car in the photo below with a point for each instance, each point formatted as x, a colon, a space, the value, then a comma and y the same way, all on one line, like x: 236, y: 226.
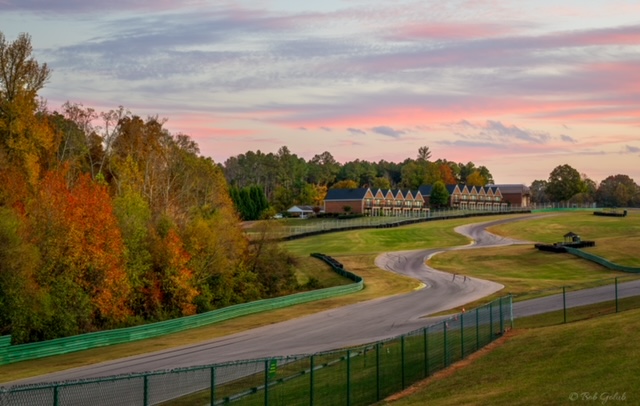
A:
x: 277, y: 216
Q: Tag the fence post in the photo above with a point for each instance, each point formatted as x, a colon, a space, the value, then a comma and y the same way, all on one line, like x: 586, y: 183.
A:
x: 348, y: 377
x: 402, y: 360
x: 212, y: 394
x: 266, y: 382
x: 616, y: 294
x: 501, y: 317
x: 426, y: 351
x: 311, y: 372
x: 378, y: 371
x: 511, y: 310
x: 462, y: 335
x: 446, y: 347
x: 145, y: 396
x: 477, y: 329
x: 490, y: 321
x: 564, y: 303
x: 55, y: 395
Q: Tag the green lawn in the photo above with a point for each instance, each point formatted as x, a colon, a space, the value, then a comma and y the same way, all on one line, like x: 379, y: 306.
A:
x: 524, y: 269
x: 430, y: 234
x: 546, y: 366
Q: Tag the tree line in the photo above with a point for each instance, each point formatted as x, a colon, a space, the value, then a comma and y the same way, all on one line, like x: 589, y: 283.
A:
x: 566, y: 184
x: 288, y: 180
x: 109, y: 220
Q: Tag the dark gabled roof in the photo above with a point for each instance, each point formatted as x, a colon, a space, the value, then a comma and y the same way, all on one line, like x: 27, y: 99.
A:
x: 512, y: 188
x: 451, y: 188
x: 425, y: 190
x: 346, y: 194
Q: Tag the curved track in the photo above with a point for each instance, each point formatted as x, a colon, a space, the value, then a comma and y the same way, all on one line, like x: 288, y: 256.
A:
x: 337, y: 328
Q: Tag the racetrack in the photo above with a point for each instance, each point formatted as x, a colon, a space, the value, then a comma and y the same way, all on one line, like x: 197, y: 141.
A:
x: 337, y: 328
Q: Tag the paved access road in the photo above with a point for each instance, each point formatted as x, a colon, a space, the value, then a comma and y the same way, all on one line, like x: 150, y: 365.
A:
x: 337, y: 328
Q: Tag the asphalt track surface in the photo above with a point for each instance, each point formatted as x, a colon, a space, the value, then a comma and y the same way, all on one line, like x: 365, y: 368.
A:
x: 351, y: 325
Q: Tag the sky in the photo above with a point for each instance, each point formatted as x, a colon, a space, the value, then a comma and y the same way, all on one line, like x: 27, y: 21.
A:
x: 520, y: 87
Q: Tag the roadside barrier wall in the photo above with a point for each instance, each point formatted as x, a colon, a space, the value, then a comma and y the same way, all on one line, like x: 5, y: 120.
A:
x: 601, y: 261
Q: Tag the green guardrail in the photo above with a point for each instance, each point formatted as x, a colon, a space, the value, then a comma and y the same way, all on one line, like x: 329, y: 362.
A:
x: 601, y: 261
x: 23, y: 352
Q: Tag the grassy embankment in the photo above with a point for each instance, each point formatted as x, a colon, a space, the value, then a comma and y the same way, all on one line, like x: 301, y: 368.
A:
x: 588, y: 361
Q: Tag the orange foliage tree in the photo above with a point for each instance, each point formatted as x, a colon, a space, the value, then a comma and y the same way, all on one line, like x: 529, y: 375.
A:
x: 77, y: 232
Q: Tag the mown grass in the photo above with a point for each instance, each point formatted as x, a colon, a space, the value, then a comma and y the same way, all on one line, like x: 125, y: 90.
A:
x: 545, y: 366
x: 524, y: 269
x: 431, y: 234
x: 309, y: 267
x: 617, y: 238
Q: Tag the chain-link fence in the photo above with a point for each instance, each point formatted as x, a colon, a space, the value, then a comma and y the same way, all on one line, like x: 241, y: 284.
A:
x: 355, y: 376
x: 577, y: 302
x: 303, y: 228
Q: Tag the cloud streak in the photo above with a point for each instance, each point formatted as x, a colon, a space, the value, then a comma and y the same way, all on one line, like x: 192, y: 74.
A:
x: 501, y: 77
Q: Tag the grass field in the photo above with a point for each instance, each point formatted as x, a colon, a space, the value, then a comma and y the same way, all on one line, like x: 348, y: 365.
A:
x: 523, y: 269
x: 587, y: 362
x: 432, y: 234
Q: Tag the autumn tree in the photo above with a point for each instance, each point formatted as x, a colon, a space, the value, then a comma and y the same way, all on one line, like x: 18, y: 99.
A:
x: 345, y: 184
x: 71, y: 222
x: 446, y: 173
x: 476, y: 179
x: 25, y: 138
x: 271, y: 263
x: 381, y: 182
x: 22, y: 300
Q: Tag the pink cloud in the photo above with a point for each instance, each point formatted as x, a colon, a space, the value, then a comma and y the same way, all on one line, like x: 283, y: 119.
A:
x: 449, y: 31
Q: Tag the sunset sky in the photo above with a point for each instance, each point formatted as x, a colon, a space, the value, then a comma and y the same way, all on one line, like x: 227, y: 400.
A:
x: 517, y: 86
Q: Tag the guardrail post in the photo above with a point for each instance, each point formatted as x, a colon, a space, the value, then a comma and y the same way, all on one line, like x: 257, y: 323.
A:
x: 564, y: 303
x: 212, y: 390
x: 311, y: 373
